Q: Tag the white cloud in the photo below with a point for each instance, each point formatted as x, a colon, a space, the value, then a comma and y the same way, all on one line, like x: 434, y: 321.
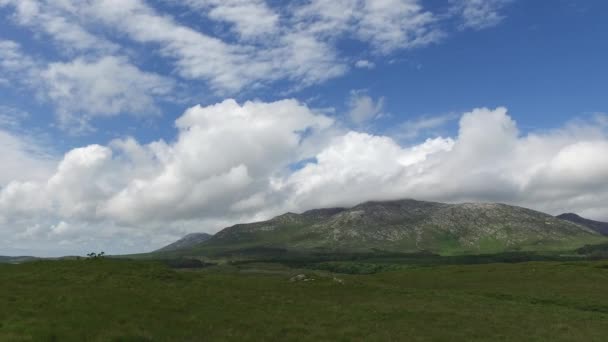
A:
x: 59, y: 20
x: 297, y: 43
x: 82, y: 89
x: 231, y: 163
x: 479, y: 14
x: 365, y: 64
x: 83, y: 178
x: 299, y: 40
x: 227, y: 67
x: 357, y: 167
x: 390, y: 25
x: 363, y: 107
x: 15, y: 66
x: 224, y: 154
x: 254, y: 45
x: 250, y: 18
x: 488, y: 161
x: 387, y: 25
x: 22, y: 159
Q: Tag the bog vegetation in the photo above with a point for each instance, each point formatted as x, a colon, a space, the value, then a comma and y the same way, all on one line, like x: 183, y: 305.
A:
x: 105, y: 299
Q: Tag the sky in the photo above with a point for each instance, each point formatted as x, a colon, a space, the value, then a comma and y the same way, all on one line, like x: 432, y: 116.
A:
x: 126, y: 124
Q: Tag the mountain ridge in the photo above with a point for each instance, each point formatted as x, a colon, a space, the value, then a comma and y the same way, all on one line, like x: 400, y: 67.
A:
x: 598, y: 226
x: 405, y: 226
x: 187, y: 241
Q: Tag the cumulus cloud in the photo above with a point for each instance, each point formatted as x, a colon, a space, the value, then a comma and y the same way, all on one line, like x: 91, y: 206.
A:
x: 232, y: 163
x: 489, y: 160
x: 357, y: 167
x: 224, y: 155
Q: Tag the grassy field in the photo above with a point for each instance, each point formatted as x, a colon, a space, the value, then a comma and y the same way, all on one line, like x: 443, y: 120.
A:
x: 114, y: 300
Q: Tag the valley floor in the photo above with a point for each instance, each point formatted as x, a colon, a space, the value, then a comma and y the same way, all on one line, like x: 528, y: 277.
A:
x: 113, y: 300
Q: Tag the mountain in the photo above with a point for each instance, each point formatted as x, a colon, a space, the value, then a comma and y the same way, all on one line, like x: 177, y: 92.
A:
x: 15, y: 260
x: 404, y: 226
x: 600, y: 227
x: 187, y: 241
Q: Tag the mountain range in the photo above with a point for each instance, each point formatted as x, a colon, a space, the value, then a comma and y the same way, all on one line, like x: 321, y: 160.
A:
x: 600, y: 227
x: 400, y: 226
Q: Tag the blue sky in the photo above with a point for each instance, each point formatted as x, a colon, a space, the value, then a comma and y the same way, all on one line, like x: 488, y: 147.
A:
x: 103, y: 93
x: 545, y: 61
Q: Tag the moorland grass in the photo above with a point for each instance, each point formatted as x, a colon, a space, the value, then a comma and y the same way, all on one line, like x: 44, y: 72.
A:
x: 115, y: 300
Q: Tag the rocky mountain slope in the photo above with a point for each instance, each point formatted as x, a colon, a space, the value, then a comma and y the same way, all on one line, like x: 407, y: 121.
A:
x: 600, y: 227
x: 406, y: 226
x: 187, y: 241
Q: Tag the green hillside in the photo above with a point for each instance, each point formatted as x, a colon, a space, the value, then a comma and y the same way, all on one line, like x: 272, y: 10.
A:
x: 404, y: 226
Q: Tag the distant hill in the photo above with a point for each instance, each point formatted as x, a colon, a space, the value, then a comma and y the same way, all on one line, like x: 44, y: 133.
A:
x: 404, y: 226
x: 600, y: 227
x: 186, y: 242
x: 15, y: 260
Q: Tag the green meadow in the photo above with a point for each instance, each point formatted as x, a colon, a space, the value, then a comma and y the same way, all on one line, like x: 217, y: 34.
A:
x: 117, y: 300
